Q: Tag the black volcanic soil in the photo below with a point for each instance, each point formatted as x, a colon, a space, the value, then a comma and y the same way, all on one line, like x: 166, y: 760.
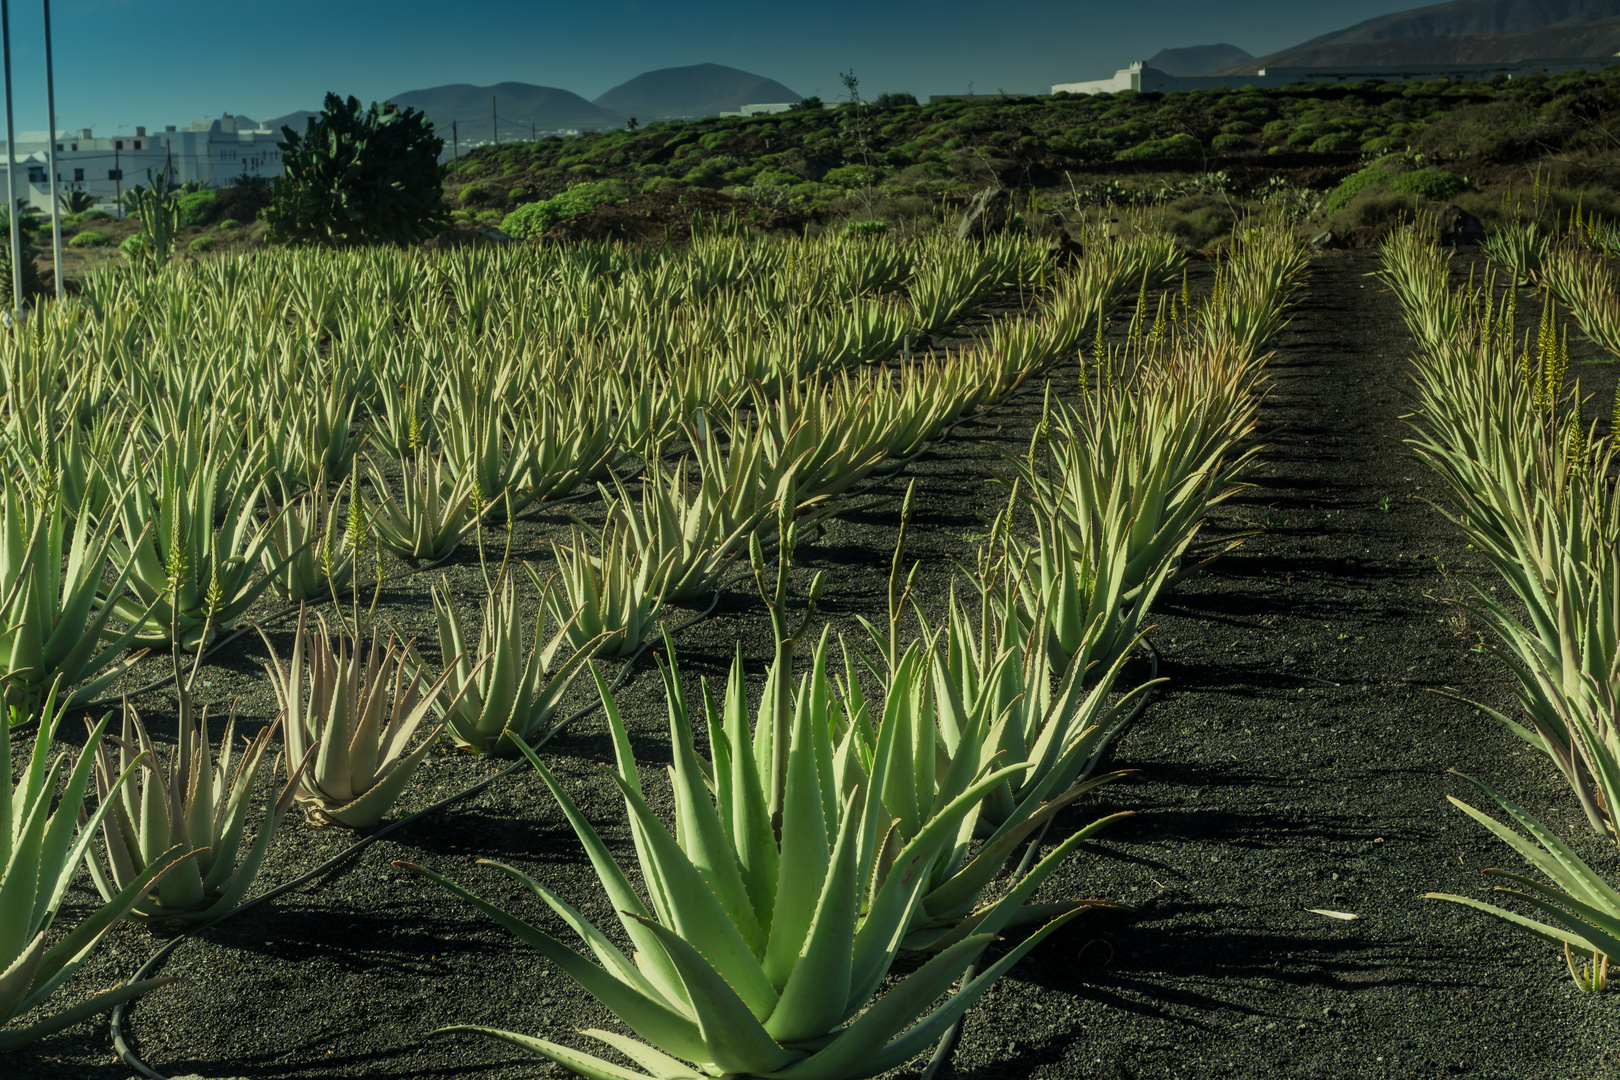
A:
x: 1296, y: 760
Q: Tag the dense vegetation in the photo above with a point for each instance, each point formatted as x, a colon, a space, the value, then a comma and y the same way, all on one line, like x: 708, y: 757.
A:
x: 900, y: 161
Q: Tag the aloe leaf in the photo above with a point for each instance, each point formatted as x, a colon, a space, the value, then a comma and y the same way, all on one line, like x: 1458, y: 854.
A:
x: 12, y: 1038
x: 648, y: 1017
x: 702, y: 837
x: 620, y: 893
x: 659, y: 1064
x: 804, y: 854
x: 813, y: 1000
x: 586, y: 1065
x: 735, y: 1039
x: 1540, y: 930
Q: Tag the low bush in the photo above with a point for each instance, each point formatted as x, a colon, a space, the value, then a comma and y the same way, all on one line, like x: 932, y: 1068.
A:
x: 86, y: 217
x: 89, y: 238
x: 1228, y: 143
x: 479, y: 194
x: 1179, y: 145
x: 1334, y: 143
x: 134, y: 247
x: 530, y: 221
x: 202, y: 243
x: 197, y: 208
x: 1430, y: 183
x: 230, y: 223
x: 1353, y: 185
x: 1383, y: 144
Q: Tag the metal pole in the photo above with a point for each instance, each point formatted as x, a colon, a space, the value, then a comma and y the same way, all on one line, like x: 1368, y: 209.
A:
x: 50, y: 113
x: 455, y: 142
x: 495, y: 119
x: 11, y: 163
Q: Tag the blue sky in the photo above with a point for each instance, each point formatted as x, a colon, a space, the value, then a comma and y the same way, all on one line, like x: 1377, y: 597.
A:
x: 120, y: 63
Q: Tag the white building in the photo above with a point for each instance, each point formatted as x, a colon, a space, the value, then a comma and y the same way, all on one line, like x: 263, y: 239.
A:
x: 212, y: 151
x: 1142, y: 78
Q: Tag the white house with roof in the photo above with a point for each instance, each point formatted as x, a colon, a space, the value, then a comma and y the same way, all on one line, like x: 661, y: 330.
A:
x: 211, y: 151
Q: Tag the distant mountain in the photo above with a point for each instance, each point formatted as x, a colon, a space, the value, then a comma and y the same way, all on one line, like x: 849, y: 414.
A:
x: 1462, y: 32
x: 294, y: 120
x: 1197, y: 59
x: 699, y: 90
x: 521, y: 108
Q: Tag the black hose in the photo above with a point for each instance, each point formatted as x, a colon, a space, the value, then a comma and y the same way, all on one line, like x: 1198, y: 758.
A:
x: 947, y: 1041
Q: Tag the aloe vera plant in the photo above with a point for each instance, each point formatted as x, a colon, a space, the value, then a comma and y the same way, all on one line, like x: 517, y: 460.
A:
x: 432, y: 512
x: 762, y: 948
x: 673, y: 521
x: 190, y: 578
x: 354, y: 717
x: 53, y: 619
x: 1582, y: 910
x: 198, y: 803
x: 494, y: 698
x: 39, y: 855
x: 310, y: 556
x: 611, y: 598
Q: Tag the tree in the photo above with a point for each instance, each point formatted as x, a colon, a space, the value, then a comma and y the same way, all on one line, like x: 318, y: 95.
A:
x: 359, y: 176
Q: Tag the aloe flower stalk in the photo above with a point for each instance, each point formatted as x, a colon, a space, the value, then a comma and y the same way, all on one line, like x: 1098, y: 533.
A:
x: 39, y: 855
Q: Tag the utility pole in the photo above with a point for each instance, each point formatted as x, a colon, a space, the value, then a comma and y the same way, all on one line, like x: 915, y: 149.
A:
x: 17, y: 253
x: 495, y: 120
x: 118, y: 178
x: 455, y: 142
x: 50, y: 135
x: 534, y: 136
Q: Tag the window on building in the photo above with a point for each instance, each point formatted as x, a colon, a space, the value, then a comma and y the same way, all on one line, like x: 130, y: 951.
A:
x: 58, y: 148
x: 36, y: 174
x: 118, y: 144
x: 137, y: 144
x: 75, y: 146
x: 78, y: 176
x: 115, y: 174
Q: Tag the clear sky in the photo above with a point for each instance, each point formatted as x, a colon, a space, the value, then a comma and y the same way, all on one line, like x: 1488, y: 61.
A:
x: 120, y: 63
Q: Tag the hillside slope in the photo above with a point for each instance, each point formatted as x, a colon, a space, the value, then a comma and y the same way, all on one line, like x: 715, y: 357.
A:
x: 1460, y: 32
x: 697, y: 90
x: 520, y: 106
x: 1198, y: 59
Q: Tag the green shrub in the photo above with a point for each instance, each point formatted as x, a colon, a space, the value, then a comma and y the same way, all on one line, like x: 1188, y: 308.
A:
x: 478, y: 194
x: 530, y: 221
x: 1228, y: 143
x: 489, y: 217
x: 197, y: 208
x: 1431, y: 183
x: 1337, y: 141
x: 134, y: 247
x: 86, y: 218
x: 1176, y: 146
x: 202, y: 243
x: 1304, y: 136
x: 87, y: 239
x: 519, y: 193
x: 1383, y: 144
x: 229, y: 223
x: 1353, y: 185
x: 359, y: 176
x: 851, y: 176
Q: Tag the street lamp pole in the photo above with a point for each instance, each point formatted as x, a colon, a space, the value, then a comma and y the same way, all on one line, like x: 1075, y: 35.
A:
x: 50, y: 149
x: 17, y: 252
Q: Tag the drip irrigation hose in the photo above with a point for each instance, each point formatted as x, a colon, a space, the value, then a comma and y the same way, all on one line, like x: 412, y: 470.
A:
x: 947, y: 1042
x: 117, y: 1022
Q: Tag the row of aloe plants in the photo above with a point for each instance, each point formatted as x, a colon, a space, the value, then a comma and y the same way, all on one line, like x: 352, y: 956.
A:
x: 348, y: 722
x: 1533, y: 487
